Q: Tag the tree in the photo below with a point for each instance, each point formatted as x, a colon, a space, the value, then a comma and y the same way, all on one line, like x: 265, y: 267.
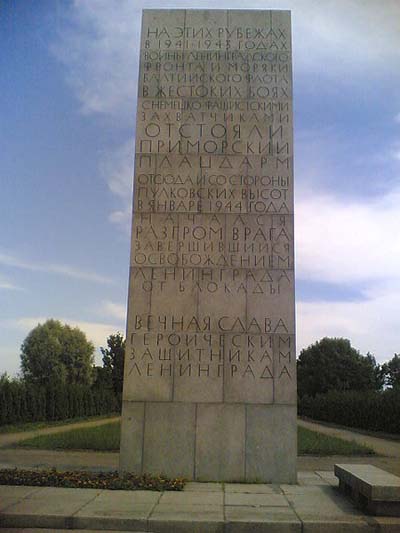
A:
x: 58, y: 354
x: 333, y: 364
x: 102, y: 378
x: 4, y: 378
x: 113, y: 360
x: 392, y: 372
x: 378, y: 371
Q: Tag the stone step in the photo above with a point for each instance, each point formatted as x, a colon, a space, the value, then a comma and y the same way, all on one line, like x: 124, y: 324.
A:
x: 372, y: 489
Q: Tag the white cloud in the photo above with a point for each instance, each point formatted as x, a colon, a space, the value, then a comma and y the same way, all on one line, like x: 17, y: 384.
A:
x: 348, y: 241
x: 100, y: 45
x: 351, y: 243
x: 395, y: 152
x: 113, y: 310
x: 122, y: 218
x: 341, y: 39
x: 96, y: 332
x: 117, y: 167
x: 99, y: 49
x: 52, y: 268
x: 7, y: 285
x: 371, y: 325
x: 346, y: 37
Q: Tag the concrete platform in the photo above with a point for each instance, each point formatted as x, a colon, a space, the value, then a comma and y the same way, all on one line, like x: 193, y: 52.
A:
x: 315, y: 505
x: 373, y: 490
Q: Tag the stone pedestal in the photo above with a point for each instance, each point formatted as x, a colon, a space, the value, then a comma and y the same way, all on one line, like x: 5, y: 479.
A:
x: 210, y: 371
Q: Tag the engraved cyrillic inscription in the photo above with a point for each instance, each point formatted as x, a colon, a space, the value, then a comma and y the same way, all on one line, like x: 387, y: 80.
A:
x: 211, y: 309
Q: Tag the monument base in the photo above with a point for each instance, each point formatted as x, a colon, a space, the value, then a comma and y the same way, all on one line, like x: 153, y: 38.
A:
x: 210, y: 441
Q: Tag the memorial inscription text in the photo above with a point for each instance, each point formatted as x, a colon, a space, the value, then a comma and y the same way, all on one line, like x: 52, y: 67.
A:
x: 213, y: 226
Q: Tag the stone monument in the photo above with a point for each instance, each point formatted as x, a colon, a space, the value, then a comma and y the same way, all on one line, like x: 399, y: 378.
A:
x: 210, y: 372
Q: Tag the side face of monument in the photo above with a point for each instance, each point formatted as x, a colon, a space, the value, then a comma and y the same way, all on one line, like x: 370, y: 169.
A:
x: 210, y: 370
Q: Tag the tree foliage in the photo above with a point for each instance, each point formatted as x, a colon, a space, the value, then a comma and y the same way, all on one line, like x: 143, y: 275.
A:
x: 102, y: 379
x: 26, y: 402
x: 370, y: 410
x: 378, y: 372
x: 113, y: 361
x: 58, y: 354
x: 333, y: 364
x: 391, y: 370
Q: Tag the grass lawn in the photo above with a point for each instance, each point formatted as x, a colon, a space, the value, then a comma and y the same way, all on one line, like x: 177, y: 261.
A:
x: 106, y: 438
x: 313, y: 443
x: 31, y: 426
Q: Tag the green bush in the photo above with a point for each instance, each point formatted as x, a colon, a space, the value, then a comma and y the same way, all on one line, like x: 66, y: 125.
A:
x: 24, y: 402
x: 370, y: 410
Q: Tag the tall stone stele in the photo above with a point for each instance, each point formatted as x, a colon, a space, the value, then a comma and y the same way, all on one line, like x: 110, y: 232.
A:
x: 210, y: 371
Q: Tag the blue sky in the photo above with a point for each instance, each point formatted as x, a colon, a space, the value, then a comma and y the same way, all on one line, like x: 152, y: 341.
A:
x: 67, y: 107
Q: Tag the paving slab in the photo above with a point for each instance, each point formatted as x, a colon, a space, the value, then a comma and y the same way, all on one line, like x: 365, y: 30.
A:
x: 256, y: 500
x: 310, y: 478
x: 259, y: 488
x: 241, y: 519
x: 386, y: 524
x: 192, y: 498
x: 127, y: 510
x: 329, y: 477
x: 124, y: 499
x: 337, y: 525
x: 47, y: 507
x: 200, y: 487
x: 299, y: 489
x: 190, y: 524
x: 17, y: 491
x: 323, y: 509
x: 201, y: 508
x: 184, y: 518
x: 10, y: 496
x: 135, y: 521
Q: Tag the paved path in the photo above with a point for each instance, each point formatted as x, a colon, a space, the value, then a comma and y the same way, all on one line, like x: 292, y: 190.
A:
x: 62, y: 460
x: 381, y: 446
x: 314, y: 505
x: 97, y: 461
x: 6, y: 439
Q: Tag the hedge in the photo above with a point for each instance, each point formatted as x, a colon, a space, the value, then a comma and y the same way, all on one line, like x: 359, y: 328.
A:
x: 22, y: 402
x: 370, y: 410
